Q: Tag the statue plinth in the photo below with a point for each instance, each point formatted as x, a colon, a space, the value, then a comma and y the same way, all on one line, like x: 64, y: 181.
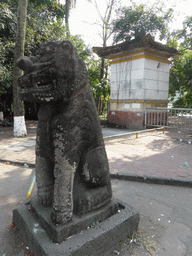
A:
x: 97, y: 233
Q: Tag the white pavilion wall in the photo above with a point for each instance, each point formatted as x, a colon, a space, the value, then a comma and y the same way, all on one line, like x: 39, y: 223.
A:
x: 140, y: 79
x: 135, y: 82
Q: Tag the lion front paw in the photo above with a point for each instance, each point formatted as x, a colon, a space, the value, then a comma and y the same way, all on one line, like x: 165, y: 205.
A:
x: 60, y: 216
x: 45, y: 198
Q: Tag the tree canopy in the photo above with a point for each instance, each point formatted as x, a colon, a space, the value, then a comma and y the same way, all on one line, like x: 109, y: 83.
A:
x: 100, y: 87
x: 181, y: 69
x: 44, y: 23
x: 137, y: 20
x: 181, y: 73
x: 185, y: 34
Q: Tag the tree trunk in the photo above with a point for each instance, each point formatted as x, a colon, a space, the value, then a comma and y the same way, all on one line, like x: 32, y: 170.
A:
x: 18, y: 105
x: 102, y: 69
x: 105, y: 36
x: 67, y: 7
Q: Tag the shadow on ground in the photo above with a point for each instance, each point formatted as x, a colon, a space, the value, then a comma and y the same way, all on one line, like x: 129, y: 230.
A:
x: 155, y: 155
x: 14, y: 184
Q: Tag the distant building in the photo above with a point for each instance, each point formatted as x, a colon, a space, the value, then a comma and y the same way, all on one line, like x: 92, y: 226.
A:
x: 139, y: 79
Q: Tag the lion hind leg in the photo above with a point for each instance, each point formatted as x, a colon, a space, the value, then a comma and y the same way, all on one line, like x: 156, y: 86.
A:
x: 95, y: 191
x: 95, y: 169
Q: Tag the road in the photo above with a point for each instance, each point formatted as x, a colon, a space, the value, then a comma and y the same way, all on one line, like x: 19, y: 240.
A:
x: 166, y: 218
x: 166, y: 215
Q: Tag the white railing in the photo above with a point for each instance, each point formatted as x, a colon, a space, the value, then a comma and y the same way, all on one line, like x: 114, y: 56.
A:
x: 180, y: 118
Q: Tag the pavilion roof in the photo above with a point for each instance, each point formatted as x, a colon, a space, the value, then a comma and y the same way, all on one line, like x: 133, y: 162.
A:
x: 146, y: 42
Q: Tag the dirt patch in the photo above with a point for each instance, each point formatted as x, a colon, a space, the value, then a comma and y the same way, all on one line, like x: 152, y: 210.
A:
x: 145, y: 242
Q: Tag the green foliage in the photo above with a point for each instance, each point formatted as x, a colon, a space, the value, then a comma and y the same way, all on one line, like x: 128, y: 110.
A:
x: 181, y: 70
x: 41, y: 28
x: 54, y: 8
x: 185, y: 34
x: 6, y: 54
x: 181, y: 78
x: 8, y: 22
x: 94, y: 224
x: 185, y: 101
x: 7, y: 36
x: 173, y: 42
x: 100, y: 88
x: 137, y: 20
x: 94, y: 72
x: 44, y: 23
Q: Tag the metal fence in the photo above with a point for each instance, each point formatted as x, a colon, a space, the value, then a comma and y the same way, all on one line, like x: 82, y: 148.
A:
x: 180, y: 118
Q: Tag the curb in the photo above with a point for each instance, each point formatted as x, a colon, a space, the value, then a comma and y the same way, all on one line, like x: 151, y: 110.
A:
x: 23, y: 164
x: 153, y: 180
x: 127, y: 177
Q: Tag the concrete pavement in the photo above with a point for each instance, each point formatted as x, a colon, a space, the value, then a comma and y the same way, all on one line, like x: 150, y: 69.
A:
x: 155, y: 157
x: 166, y: 218
x: 14, y: 183
x: 166, y: 211
x: 165, y: 227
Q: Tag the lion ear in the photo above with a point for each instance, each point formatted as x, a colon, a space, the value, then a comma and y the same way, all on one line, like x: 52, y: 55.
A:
x: 67, y: 46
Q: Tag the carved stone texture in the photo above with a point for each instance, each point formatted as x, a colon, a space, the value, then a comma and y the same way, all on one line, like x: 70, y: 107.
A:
x: 72, y: 169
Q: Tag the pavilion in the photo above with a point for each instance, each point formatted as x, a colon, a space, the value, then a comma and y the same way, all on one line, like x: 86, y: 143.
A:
x: 139, y: 79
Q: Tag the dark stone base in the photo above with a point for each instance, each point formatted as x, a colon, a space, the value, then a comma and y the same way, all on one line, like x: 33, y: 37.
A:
x: 60, y: 233
x: 81, y: 236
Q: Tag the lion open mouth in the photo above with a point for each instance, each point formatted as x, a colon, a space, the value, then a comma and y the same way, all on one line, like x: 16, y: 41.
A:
x: 38, y: 84
x: 38, y: 80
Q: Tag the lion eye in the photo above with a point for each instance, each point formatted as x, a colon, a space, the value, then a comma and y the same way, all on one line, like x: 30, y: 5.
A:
x: 66, y: 46
x: 48, y: 49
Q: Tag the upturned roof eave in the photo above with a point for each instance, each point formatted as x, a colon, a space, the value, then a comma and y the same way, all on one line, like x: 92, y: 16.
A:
x: 103, y: 53
x: 146, y: 43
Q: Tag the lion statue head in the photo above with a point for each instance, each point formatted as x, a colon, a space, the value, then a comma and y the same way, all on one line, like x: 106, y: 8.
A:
x: 55, y: 73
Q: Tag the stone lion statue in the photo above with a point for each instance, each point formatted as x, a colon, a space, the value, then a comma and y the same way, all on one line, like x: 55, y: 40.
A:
x: 72, y: 169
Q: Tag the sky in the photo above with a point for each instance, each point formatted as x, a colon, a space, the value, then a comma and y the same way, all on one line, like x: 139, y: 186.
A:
x: 85, y: 21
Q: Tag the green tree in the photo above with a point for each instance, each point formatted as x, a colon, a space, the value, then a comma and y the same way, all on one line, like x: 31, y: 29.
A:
x: 106, y: 31
x: 100, y: 88
x: 44, y: 23
x: 181, y: 79
x: 181, y: 70
x: 136, y: 21
x: 184, y: 35
x: 8, y: 21
x: 43, y: 17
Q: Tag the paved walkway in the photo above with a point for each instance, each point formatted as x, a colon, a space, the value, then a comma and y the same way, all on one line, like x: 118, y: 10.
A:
x: 153, y: 157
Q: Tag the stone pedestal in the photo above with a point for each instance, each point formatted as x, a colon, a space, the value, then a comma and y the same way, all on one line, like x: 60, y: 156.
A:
x: 97, y: 233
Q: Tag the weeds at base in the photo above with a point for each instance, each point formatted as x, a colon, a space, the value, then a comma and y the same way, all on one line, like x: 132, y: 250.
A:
x: 141, y: 238
x: 139, y: 241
